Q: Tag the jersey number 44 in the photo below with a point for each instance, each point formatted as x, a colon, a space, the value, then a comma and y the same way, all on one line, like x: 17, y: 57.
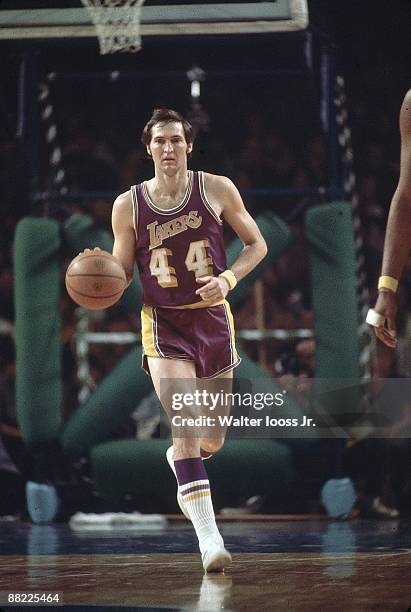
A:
x: 196, y: 261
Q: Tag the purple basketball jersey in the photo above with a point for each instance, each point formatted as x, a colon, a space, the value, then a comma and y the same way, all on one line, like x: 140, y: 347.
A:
x: 177, y: 245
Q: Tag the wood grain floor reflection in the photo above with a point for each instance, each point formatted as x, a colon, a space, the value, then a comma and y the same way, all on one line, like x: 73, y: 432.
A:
x: 257, y: 581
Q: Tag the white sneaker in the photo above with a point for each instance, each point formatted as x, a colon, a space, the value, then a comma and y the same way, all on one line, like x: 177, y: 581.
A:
x: 215, y: 557
x: 169, y: 455
x: 382, y: 510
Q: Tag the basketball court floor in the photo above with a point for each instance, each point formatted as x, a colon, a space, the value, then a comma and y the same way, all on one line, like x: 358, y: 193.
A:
x: 278, y: 564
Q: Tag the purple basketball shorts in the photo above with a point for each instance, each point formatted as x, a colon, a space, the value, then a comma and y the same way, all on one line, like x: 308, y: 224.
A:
x: 202, y: 335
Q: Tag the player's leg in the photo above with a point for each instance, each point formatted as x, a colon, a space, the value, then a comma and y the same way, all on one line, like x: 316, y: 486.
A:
x: 216, y: 356
x: 211, y: 445
x: 161, y: 370
x: 180, y: 370
x: 194, y: 495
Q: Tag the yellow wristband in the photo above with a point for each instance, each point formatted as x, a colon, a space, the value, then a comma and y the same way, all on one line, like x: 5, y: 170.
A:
x: 230, y: 278
x: 388, y: 282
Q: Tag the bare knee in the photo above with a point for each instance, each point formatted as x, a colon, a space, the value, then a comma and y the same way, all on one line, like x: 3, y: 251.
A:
x: 212, y: 445
x: 185, y: 448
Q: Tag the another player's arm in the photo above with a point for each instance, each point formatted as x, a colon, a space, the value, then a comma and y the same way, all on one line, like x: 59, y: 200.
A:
x: 124, y: 234
x: 222, y: 190
x: 398, y: 234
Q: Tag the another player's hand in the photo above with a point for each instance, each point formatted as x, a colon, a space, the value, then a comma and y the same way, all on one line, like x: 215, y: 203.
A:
x: 387, y: 307
x: 214, y: 288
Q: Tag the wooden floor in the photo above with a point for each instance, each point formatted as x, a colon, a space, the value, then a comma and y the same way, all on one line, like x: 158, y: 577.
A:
x: 277, y: 565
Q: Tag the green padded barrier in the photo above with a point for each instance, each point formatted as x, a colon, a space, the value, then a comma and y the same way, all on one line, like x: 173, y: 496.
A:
x: 108, y: 407
x: 243, y: 468
x: 333, y: 277
x: 277, y: 235
x: 249, y: 369
x: 134, y: 467
x: 38, y: 354
x: 79, y: 233
x: 139, y: 468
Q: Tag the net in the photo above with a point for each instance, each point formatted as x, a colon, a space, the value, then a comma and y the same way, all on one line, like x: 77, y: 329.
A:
x: 117, y: 23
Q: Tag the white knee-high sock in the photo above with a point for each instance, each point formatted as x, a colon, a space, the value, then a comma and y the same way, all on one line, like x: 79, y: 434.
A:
x: 194, y: 487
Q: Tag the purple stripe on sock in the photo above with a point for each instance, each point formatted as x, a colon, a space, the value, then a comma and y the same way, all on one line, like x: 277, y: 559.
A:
x: 189, y: 470
x: 197, y: 488
x: 205, y: 454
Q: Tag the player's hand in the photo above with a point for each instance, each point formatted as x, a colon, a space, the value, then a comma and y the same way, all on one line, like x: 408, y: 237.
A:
x: 214, y: 288
x: 89, y: 250
x: 386, y: 306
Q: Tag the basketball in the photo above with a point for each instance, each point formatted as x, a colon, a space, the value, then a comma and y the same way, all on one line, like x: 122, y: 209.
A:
x: 95, y: 280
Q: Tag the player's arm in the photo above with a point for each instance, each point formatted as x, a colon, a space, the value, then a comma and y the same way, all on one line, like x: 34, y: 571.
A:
x: 222, y: 190
x: 124, y: 234
x: 398, y: 235
x: 236, y: 215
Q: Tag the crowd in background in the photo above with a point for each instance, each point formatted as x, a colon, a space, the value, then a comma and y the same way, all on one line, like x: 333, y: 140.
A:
x: 270, y: 140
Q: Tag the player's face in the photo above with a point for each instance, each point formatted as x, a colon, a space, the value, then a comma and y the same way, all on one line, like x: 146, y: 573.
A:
x: 168, y: 147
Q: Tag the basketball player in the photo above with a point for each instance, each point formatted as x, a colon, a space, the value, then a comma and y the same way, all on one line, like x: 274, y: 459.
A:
x: 397, y: 240
x: 171, y: 225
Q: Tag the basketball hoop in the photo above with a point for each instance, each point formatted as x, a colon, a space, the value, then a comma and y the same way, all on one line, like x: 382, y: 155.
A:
x: 117, y: 23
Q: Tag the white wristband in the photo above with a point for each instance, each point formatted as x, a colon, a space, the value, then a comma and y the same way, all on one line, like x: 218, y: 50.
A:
x: 374, y: 318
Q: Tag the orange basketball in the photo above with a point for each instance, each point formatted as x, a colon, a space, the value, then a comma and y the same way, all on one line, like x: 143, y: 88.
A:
x: 95, y: 280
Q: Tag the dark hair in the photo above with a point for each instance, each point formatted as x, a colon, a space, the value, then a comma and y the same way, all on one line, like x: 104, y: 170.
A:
x: 166, y: 115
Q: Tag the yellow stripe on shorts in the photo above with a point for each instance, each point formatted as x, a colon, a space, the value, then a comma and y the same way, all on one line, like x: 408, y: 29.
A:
x: 147, y: 332
x: 232, y: 330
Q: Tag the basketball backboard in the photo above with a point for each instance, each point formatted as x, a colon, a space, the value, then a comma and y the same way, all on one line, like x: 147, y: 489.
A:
x: 19, y: 20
